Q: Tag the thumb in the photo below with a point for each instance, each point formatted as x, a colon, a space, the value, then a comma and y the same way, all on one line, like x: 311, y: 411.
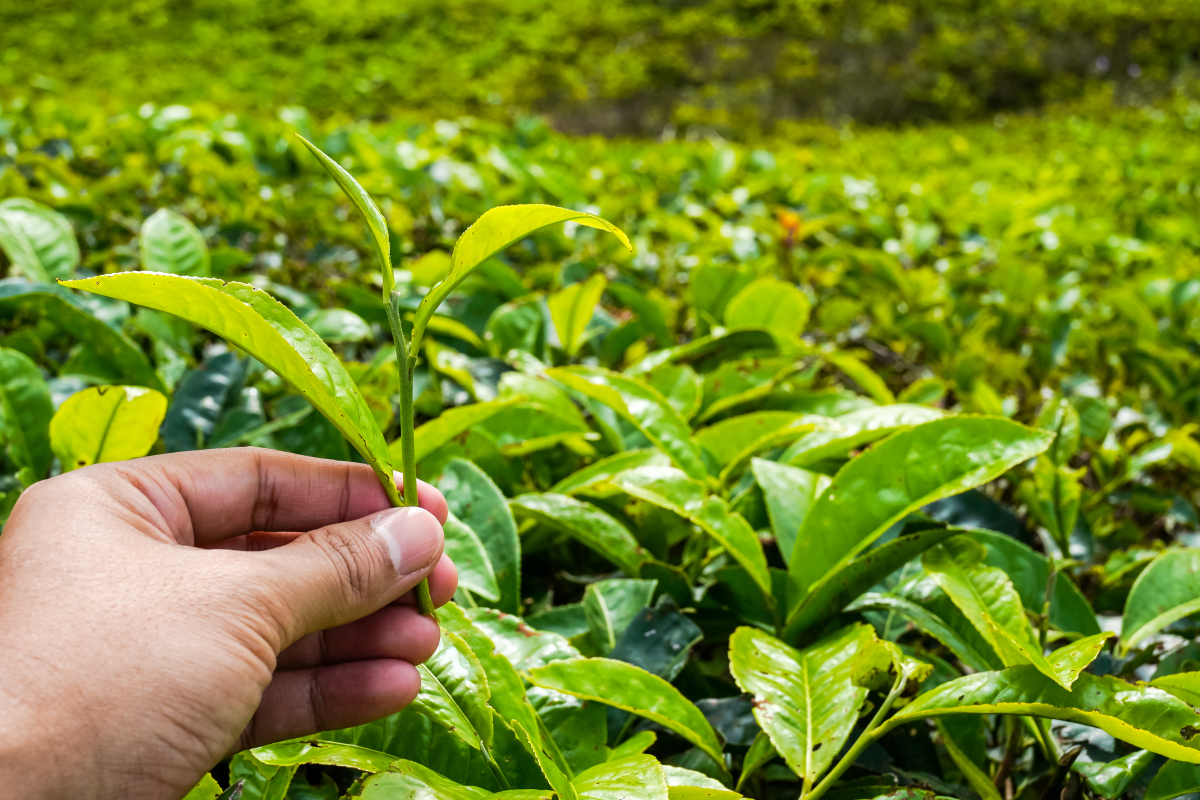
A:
x: 343, y: 572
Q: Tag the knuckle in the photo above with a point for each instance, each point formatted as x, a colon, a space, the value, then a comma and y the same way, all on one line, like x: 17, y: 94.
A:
x: 351, y: 559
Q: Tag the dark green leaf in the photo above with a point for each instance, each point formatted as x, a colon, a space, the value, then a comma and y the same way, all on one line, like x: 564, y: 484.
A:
x: 475, y: 499
x: 632, y: 689
x: 898, y: 476
x: 586, y: 524
x: 25, y: 415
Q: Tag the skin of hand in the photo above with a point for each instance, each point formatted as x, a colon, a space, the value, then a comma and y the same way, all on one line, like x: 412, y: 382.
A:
x: 157, y: 615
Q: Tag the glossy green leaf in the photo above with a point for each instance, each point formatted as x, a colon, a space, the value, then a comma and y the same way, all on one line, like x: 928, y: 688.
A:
x: 37, y: 240
x: 730, y: 437
x: 658, y: 639
x: 571, y: 311
x: 207, y: 400
x: 1174, y: 779
x: 315, y: 751
x: 524, y: 647
x: 262, y: 326
x: 409, y: 780
x: 471, y: 559
x: 106, y: 423
x: 1166, y: 591
x: 507, y: 691
x: 769, y: 303
x: 260, y: 781
x: 761, y: 752
x: 479, y: 503
x: 635, y: 745
x: 789, y: 493
x: 412, y: 736
x: 1143, y: 716
x: 492, y: 233
x: 338, y: 326
x: 639, y: 777
x: 454, y: 692
x: 609, y: 606
x: 735, y: 383
x: 987, y: 598
x: 804, y: 700
x: 1067, y: 662
x: 632, y: 689
x: 898, y: 476
x: 25, y: 415
x: 1109, y: 780
x: 854, y: 430
x: 678, y: 777
x: 1028, y: 570
x: 586, y: 524
x: 671, y: 489
x: 591, y: 478
x: 369, y: 212
x: 643, y: 406
x: 929, y: 623
x: 206, y: 789
x: 451, y: 423
x: 780, y: 436
x: 1055, y: 499
x: 682, y: 387
x: 554, y: 776
x: 841, y: 587
x: 171, y: 243
x: 121, y: 360
x: 1184, y: 685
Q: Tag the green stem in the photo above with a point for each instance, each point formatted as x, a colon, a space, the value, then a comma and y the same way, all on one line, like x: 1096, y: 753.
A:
x: 873, y: 732
x: 1044, y: 622
x: 406, y: 362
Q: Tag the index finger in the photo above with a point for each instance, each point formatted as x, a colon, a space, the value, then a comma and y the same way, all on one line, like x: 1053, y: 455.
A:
x: 212, y: 495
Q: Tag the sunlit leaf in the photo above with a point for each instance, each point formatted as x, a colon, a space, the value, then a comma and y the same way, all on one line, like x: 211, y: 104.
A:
x: 106, y: 423
x: 490, y: 234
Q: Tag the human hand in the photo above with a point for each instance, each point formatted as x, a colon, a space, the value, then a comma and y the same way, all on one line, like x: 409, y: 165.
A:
x: 159, y: 614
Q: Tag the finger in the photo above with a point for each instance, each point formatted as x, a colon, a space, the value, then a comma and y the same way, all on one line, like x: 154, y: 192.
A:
x: 429, y: 497
x: 392, y: 632
x: 204, y: 497
x: 443, y: 583
x: 309, y: 701
x: 343, y: 572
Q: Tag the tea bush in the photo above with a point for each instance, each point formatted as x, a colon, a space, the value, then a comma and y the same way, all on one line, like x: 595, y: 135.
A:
x: 617, y: 66
x: 868, y: 471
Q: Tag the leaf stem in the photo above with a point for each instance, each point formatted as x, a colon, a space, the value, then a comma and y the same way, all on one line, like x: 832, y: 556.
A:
x: 874, y: 730
x: 1044, y: 622
x: 407, y: 362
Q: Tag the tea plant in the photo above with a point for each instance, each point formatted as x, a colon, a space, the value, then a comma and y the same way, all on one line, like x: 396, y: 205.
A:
x: 833, y: 502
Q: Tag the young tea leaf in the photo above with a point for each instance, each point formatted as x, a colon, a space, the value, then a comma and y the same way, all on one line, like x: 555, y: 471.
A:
x: 492, y: 233
x: 370, y: 214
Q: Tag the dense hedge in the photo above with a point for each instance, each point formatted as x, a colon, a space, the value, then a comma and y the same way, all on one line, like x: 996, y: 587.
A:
x: 602, y: 65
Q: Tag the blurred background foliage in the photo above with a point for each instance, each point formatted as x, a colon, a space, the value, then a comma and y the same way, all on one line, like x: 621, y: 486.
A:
x: 740, y: 67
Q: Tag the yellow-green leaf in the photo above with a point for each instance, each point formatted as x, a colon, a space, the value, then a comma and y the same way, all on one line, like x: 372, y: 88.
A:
x: 106, y: 423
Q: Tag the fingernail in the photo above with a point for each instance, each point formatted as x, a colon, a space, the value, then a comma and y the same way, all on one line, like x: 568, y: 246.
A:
x: 412, y: 536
